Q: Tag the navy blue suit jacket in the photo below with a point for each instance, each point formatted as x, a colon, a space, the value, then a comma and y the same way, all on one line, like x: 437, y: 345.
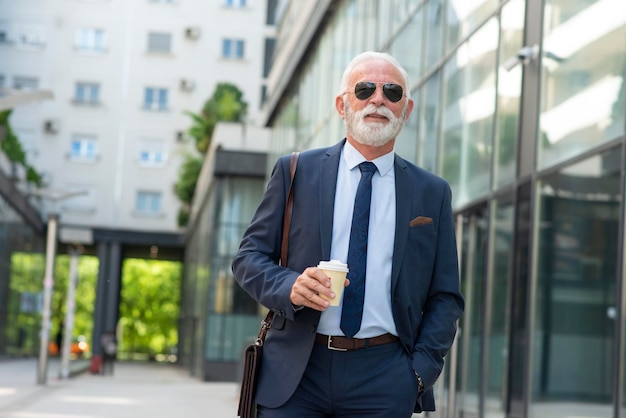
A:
x: 426, y: 299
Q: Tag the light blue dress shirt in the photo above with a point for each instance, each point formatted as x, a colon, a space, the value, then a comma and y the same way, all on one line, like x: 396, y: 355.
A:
x: 377, y: 315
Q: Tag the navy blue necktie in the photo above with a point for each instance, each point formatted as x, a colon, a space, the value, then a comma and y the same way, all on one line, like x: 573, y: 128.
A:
x: 354, y: 295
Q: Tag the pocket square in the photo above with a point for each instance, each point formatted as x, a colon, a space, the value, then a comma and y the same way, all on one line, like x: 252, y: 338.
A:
x: 421, y: 220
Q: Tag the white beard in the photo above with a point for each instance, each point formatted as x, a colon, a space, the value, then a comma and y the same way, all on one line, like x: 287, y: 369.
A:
x: 373, y: 133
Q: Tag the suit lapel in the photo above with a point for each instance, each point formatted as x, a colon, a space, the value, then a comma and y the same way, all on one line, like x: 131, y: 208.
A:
x: 329, y: 166
x: 403, y: 213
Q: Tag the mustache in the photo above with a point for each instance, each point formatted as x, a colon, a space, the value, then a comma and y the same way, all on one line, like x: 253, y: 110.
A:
x: 371, y: 109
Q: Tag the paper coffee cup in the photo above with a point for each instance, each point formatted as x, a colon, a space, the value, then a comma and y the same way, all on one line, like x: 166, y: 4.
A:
x: 337, y: 271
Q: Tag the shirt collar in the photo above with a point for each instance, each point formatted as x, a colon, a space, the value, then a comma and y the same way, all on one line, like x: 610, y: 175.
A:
x: 353, y: 158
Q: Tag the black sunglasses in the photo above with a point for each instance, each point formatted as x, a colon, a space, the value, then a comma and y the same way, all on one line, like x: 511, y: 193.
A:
x: 365, y: 89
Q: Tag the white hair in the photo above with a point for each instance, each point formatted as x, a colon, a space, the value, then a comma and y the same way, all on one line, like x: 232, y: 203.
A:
x: 372, y: 56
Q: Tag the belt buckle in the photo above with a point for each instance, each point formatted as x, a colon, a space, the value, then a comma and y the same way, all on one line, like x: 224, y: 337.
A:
x: 330, y: 347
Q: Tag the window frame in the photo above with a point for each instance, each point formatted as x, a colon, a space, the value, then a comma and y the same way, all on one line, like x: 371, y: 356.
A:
x: 154, y: 151
x: 233, y: 49
x: 235, y: 4
x: 153, y: 45
x: 86, y: 146
x: 31, y: 83
x: 90, y: 93
x: 89, y: 39
x: 159, y: 99
x: 145, y: 201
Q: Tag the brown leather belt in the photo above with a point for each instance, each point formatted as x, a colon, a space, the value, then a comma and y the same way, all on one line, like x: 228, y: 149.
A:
x: 345, y: 344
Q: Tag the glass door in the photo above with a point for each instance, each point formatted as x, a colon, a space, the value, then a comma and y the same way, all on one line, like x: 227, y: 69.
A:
x: 460, y: 387
x: 474, y: 382
x: 469, y: 377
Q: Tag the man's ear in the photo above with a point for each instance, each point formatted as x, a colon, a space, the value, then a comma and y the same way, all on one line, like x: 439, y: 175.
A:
x: 339, y: 105
x: 409, y: 109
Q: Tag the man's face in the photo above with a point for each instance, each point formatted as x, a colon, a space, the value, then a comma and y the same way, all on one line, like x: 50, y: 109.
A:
x: 377, y: 119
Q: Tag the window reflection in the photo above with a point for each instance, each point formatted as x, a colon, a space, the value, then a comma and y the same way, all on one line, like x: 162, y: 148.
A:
x: 232, y: 312
x: 584, y: 68
x: 576, y: 288
x: 468, y: 115
x: 21, y: 269
x: 406, y: 142
x: 434, y: 32
x: 430, y: 123
x: 464, y: 16
x: 408, y: 46
x: 501, y: 241
x: 509, y: 93
x: 472, y: 323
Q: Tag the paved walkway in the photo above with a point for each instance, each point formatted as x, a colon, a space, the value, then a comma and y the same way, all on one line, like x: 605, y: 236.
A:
x: 135, y: 390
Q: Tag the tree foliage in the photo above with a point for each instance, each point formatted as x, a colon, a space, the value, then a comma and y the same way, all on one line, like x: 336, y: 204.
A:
x: 27, y: 272
x: 149, y: 306
x: 226, y: 104
x: 12, y: 147
x: 85, y: 294
x: 188, y: 178
x: 185, y: 187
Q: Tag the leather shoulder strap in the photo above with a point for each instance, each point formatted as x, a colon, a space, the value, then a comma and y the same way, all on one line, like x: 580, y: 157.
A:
x: 284, y: 248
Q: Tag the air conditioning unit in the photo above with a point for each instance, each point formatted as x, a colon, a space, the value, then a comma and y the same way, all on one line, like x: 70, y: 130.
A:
x: 51, y: 126
x: 187, y: 85
x: 192, y: 32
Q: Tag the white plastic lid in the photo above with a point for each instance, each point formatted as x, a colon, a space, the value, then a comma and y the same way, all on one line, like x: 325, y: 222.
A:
x: 333, y: 265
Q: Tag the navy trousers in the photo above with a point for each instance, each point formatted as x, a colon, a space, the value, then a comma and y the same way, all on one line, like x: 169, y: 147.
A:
x: 374, y: 382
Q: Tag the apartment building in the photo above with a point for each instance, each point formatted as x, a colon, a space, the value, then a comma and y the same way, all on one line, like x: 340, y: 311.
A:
x: 110, y: 142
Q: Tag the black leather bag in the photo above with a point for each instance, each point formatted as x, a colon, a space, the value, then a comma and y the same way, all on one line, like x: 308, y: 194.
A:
x: 254, y: 352
x: 251, y: 366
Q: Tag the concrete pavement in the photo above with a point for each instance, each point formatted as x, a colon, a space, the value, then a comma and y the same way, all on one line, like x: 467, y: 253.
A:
x: 135, y: 390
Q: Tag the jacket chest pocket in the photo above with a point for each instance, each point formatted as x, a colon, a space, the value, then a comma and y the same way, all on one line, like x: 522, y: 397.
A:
x: 422, y: 241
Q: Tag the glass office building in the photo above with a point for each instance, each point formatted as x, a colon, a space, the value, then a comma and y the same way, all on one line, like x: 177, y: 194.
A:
x: 519, y: 104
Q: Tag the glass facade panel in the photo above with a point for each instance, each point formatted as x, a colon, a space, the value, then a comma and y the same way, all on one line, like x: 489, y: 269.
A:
x: 383, y: 20
x: 575, y: 303
x: 430, y: 122
x: 434, y: 32
x: 367, y: 16
x: 472, y: 323
x: 464, y: 16
x: 583, y: 75
x: 305, y: 123
x: 232, y: 315
x: 21, y: 270
x: 406, y: 142
x: 348, y: 16
x: 409, y: 45
x: 469, y: 107
x: 509, y: 93
x: 501, y: 239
